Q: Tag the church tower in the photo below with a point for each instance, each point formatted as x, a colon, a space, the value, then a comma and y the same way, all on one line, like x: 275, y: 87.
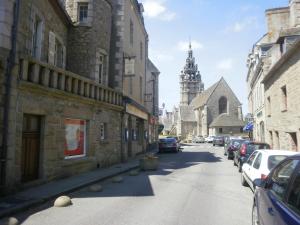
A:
x: 190, y: 80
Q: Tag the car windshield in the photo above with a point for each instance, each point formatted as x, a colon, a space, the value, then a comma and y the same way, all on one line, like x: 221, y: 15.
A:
x: 237, y: 142
x: 273, y: 160
x: 255, y: 146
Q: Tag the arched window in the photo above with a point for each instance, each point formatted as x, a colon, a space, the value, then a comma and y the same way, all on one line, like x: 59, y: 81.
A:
x: 222, y: 105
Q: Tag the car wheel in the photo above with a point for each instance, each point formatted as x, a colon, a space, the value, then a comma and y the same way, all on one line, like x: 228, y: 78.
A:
x: 213, y: 144
x: 243, y: 181
x: 255, y: 220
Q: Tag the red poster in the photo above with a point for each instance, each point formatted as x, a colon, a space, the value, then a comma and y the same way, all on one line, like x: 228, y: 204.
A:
x: 74, y: 138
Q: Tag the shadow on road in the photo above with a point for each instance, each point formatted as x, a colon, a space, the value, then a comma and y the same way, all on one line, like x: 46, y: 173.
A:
x: 137, y: 186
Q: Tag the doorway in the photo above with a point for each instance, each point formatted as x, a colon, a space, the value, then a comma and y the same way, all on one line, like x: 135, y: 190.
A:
x: 30, y: 148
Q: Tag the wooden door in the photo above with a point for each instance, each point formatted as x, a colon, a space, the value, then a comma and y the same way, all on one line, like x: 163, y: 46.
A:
x: 30, y: 148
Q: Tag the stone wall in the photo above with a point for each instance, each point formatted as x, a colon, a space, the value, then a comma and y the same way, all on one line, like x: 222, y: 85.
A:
x: 213, y: 103
x: 280, y: 120
x: 54, y: 107
x: 51, y: 22
x: 87, y: 40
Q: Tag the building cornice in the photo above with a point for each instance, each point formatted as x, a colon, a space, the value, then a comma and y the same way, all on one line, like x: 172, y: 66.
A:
x: 282, y: 60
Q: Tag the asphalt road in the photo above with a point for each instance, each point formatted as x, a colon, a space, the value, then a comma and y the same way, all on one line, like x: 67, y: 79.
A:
x: 196, y: 186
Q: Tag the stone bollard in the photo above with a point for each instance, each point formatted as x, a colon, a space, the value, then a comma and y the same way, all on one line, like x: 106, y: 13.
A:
x: 133, y: 173
x: 117, y: 179
x: 9, y: 221
x: 62, y: 201
x: 96, y: 188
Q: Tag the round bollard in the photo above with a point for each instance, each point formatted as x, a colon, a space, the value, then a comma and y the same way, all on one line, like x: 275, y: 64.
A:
x: 117, y: 179
x: 96, y: 188
x: 134, y: 173
x: 9, y: 221
x: 62, y: 201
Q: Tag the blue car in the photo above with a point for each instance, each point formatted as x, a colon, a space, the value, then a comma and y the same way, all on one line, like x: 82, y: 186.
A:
x: 277, y: 199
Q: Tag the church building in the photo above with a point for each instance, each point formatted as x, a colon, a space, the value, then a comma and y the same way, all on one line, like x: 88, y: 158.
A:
x: 214, y: 111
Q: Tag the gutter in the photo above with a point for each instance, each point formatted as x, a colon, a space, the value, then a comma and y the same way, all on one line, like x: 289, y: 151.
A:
x: 8, y: 81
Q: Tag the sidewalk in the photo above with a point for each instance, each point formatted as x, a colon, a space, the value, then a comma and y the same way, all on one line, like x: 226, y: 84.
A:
x: 37, y: 195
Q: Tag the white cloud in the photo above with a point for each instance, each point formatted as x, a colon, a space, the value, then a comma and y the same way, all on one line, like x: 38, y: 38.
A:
x: 242, y: 25
x: 157, y: 9
x: 160, y: 56
x: 184, y: 45
x: 226, y: 64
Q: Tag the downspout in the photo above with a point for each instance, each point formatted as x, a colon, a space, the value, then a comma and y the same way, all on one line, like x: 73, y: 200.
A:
x: 8, y: 81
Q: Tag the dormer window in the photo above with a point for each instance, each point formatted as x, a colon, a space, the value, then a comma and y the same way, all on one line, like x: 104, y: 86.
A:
x: 82, y: 12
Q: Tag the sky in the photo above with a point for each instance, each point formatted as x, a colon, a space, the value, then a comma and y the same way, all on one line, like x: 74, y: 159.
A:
x: 222, y: 34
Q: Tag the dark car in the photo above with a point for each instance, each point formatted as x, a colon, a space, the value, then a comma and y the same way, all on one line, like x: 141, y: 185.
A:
x: 219, y: 140
x: 245, y: 150
x: 277, y: 198
x: 168, y: 145
x: 233, y: 146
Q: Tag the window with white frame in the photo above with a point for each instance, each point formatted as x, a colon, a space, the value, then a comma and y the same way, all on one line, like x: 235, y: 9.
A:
x: 82, y: 12
x: 101, y: 67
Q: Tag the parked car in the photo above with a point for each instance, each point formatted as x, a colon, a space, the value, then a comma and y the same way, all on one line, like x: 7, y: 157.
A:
x: 198, y: 139
x: 219, y: 140
x: 209, y: 139
x: 227, y: 140
x: 168, y: 145
x: 277, y: 198
x: 259, y: 165
x: 245, y: 150
x: 233, y: 146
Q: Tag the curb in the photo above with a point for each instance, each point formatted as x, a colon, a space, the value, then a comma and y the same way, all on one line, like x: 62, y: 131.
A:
x: 36, y: 202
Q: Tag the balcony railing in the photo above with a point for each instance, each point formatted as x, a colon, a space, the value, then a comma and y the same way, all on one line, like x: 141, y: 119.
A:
x: 50, y: 76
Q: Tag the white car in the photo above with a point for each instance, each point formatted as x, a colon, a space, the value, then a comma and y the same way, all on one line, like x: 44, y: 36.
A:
x: 259, y: 165
x: 209, y: 139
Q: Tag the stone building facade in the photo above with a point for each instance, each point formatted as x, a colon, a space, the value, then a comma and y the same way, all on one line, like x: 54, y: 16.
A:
x: 282, y: 101
x: 61, y: 122
x: 151, y: 101
x: 282, y: 32
x: 128, y: 64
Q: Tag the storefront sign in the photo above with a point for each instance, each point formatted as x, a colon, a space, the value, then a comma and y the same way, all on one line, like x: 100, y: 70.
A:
x: 75, y: 138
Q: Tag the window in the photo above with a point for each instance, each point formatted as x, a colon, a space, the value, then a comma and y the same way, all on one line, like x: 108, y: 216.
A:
x: 56, y: 51
x: 257, y: 161
x: 293, y: 141
x: 294, y: 197
x: 141, y: 51
x: 277, y: 140
x: 82, y: 12
x: 130, y: 86
x: 271, y: 138
x: 100, y: 70
x: 141, y: 88
x: 281, y: 178
x: 251, y: 158
x: 36, y: 37
x: 222, y: 105
x: 283, y: 99
x: 131, y: 32
x: 269, y: 106
x: 102, y: 131
x: 220, y: 130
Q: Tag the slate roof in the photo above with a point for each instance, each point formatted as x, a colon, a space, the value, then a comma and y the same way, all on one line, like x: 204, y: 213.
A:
x: 225, y: 120
x: 187, y: 113
x: 201, y: 99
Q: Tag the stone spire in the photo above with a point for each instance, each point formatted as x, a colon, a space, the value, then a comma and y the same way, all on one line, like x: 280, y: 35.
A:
x: 190, y: 79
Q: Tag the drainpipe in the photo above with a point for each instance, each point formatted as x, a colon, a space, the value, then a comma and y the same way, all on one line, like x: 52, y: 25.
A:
x: 8, y: 81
